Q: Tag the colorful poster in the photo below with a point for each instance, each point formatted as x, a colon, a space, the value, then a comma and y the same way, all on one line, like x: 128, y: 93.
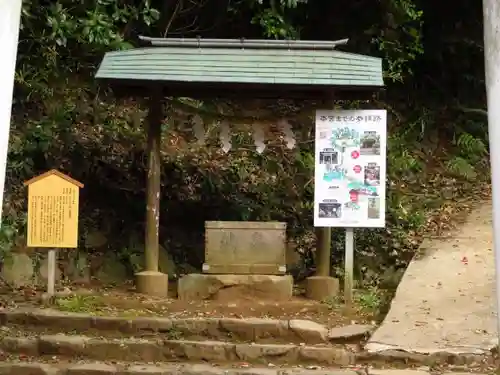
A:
x: 350, y: 168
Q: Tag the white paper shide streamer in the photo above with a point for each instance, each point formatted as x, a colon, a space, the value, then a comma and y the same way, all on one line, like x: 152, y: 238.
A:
x: 287, y: 132
x: 225, y: 136
x: 259, y: 137
x: 199, y: 129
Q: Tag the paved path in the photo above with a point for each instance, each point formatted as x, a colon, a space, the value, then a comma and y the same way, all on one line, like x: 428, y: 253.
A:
x: 446, y: 299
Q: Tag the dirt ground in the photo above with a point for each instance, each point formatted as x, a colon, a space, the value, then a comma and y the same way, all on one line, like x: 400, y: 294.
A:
x: 124, y: 302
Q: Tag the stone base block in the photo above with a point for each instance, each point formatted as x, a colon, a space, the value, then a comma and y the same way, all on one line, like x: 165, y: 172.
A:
x: 152, y: 283
x: 233, y: 287
x: 320, y: 288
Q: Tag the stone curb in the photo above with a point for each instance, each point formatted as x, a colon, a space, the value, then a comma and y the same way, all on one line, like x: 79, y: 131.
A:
x: 158, y: 350
x: 438, y: 358
x: 252, y: 329
x: 105, y: 369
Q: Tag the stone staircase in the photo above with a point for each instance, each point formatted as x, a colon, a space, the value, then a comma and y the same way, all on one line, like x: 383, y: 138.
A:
x: 44, y: 341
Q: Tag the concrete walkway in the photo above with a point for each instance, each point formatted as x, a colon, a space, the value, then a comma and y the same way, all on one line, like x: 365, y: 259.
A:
x: 446, y: 299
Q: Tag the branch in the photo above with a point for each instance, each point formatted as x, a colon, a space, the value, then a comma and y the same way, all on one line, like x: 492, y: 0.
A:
x: 474, y: 110
x: 174, y: 14
x: 187, y: 29
x: 194, y: 4
x: 186, y: 10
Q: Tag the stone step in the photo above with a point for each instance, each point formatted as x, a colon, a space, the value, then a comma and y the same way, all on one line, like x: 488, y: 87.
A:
x: 223, y: 329
x: 153, y: 350
x: 216, y: 352
x: 101, y: 368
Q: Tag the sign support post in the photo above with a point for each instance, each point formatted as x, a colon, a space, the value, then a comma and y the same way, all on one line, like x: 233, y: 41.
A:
x: 51, y: 272
x: 349, y: 268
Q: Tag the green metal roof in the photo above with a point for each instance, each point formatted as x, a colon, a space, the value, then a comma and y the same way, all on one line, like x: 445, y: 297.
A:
x: 242, y: 62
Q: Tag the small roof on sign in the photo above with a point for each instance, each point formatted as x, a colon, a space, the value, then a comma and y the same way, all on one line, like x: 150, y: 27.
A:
x: 56, y: 173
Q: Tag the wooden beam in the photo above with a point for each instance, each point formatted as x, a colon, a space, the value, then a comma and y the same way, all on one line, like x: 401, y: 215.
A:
x: 195, y: 90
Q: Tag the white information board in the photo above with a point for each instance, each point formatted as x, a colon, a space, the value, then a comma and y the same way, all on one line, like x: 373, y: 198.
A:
x: 350, y: 168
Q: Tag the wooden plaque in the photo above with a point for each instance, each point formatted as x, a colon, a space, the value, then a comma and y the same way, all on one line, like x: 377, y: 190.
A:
x: 53, y: 210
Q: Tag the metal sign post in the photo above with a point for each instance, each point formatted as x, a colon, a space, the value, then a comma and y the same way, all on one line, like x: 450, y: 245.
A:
x: 349, y: 268
x: 491, y: 13
x: 51, y: 272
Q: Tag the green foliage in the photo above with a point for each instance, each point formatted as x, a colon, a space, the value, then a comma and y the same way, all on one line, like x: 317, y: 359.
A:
x: 274, y: 25
x: 78, y: 304
x: 471, y: 147
x: 8, y: 235
x: 461, y: 167
x: 470, y: 151
x: 272, y: 18
x: 59, y: 39
x: 369, y: 299
x: 401, y: 41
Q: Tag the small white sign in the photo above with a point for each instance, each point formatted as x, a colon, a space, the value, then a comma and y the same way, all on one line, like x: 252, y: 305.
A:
x: 350, y: 168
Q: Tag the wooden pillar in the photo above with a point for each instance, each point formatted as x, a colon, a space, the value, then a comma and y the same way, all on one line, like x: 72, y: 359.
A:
x: 323, y: 251
x: 150, y: 281
x: 324, y: 234
x: 322, y: 286
x: 155, y: 119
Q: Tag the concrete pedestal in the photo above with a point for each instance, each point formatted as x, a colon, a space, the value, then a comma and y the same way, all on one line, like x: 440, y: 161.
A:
x: 233, y: 287
x: 320, y: 288
x: 152, y: 283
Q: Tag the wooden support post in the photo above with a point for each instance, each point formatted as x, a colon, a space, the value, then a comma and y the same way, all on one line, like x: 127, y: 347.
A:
x: 323, y: 251
x: 155, y: 120
x: 324, y: 235
x: 322, y: 286
x: 150, y: 281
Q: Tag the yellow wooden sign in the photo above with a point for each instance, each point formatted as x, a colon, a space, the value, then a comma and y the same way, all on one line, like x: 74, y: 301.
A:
x: 53, y: 210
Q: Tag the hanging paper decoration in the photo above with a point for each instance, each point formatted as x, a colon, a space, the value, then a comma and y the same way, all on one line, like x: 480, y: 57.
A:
x: 259, y: 137
x: 199, y: 129
x: 288, y: 133
x: 225, y: 136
